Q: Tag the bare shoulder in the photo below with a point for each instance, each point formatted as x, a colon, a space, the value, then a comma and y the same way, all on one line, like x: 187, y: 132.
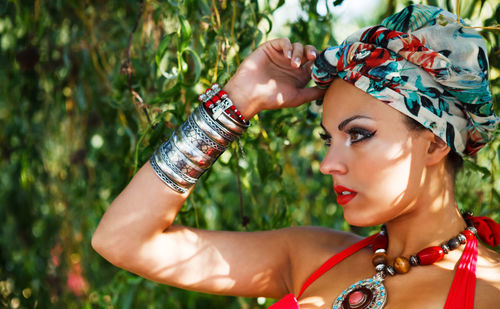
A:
x: 488, y: 279
x: 319, y: 238
x: 310, y: 247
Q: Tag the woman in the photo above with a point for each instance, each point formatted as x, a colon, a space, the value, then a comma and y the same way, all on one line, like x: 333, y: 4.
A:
x: 397, y: 117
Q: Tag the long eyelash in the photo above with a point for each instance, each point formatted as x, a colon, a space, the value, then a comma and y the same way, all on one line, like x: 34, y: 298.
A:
x: 366, y: 134
x: 324, y: 136
x: 327, y: 138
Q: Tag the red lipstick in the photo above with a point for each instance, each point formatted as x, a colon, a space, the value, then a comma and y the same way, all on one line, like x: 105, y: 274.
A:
x: 344, y: 195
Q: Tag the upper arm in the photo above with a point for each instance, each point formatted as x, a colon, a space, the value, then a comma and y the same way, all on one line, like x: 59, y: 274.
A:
x: 220, y: 262
x: 136, y: 234
x: 268, y: 263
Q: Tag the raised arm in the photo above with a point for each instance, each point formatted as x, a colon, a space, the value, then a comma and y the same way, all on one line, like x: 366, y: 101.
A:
x: 136, y: 232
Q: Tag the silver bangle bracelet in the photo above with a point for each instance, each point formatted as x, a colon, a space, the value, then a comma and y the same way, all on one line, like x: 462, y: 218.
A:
x: 191, y: 133
x: 192, y: 153
x: 208, y: 129
x: 169, y: 182
x: 180, y: 161
x: 167, y: 170
x: 226, y: 133
x: 163, y: 160
x: 199, y: 141
x: 232, y: 124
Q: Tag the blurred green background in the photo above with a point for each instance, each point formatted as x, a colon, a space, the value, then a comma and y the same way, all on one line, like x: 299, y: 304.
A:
x: 90, y: 88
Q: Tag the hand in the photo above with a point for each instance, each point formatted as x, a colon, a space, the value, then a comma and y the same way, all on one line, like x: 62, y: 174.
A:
x: 273, y: 76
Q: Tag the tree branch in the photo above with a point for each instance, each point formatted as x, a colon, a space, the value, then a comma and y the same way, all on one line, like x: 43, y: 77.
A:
x: 127, y: 68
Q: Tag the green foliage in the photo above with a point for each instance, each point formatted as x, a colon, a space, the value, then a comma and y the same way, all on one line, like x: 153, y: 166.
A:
x: 85, y: 99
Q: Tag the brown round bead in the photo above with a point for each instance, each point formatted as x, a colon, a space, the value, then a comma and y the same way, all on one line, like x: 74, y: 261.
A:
x: 401, y: 265
x: 379, y: 258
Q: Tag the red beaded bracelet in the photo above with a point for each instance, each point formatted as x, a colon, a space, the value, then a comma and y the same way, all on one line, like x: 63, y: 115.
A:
x: 217, y: 100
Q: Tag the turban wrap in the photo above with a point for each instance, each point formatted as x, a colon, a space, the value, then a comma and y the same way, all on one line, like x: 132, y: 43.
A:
x: 423, y: 63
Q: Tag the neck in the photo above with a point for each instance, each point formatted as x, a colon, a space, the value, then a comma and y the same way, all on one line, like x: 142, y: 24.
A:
x: 430, y: 221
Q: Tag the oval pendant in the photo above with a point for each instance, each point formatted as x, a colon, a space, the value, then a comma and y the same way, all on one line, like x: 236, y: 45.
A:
x: 365, y: 294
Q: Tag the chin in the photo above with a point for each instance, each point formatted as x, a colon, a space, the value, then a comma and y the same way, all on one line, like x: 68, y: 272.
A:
x: 354, y: 218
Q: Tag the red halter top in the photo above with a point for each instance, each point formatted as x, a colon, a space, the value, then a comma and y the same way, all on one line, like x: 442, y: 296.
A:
x: 461, y: 295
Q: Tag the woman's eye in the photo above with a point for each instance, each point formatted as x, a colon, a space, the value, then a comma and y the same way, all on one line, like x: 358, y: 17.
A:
x: 358, y: 134
x: 327, y: 138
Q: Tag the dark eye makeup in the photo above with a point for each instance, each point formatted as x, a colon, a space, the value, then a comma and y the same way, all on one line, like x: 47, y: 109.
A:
x: 327, y: 138
x: 356, y: 135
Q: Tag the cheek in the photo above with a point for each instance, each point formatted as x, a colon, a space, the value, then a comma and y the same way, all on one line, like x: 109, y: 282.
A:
x: 390, y: 173
x: 394, y: 181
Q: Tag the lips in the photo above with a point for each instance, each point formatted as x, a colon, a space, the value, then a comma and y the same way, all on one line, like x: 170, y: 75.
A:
x: 344, y: 195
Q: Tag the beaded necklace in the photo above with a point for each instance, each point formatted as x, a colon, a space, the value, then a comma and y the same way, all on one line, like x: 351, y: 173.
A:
x: 371, y: 293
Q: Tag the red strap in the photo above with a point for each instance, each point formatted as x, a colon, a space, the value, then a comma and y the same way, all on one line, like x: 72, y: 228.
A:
x: 488, y: 230
x: 334, y: 260
x: 463, y: 288
x: 461, y: 295
x: 287, y: 302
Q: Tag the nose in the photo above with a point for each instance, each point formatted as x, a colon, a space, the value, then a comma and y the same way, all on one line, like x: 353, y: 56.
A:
x: 333, y: 163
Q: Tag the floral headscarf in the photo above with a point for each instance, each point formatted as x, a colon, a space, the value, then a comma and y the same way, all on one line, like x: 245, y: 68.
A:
x: 423, y: 63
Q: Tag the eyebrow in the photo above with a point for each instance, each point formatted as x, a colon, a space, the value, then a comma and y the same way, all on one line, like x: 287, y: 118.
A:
x: 344, y: 123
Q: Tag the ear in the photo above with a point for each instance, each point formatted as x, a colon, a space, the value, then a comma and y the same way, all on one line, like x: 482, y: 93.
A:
x: 437, y: 150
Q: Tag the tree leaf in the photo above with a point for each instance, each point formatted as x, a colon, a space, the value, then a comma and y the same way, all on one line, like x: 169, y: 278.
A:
x: 194, y: 66
x: 469, y: 164
x: 184, y: 33
x: 164, y: 44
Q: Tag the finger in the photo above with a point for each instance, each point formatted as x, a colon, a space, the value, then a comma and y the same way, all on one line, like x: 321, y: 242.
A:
x: 297, y: 54
x: 309, y: 94
x: 311, y: 52
x: 282, y: 44
x: 307, y: 66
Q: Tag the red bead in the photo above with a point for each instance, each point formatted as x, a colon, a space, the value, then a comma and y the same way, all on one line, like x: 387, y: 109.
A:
x: 380, y: 242
x: 430, y: 255
x: 221, y: 93
x: 468, y: 234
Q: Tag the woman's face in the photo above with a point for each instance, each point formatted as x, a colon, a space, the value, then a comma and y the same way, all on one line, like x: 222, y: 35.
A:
x: 376, y: 162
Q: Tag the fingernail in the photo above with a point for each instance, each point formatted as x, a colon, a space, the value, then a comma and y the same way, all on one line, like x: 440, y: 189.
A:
x: 297, y: 61
x: 289, y: 54
x: 314, y: 53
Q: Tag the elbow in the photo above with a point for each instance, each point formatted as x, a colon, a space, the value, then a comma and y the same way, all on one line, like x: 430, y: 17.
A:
x: 122, y: 252
x: 107, y: 248
x: 99, y: 245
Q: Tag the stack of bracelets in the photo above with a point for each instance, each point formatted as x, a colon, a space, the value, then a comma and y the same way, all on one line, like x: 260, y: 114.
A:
x: 198, y: 142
